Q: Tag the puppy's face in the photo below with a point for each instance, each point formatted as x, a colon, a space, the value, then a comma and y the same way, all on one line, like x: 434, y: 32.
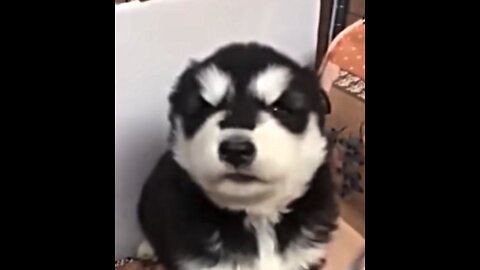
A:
x: 247, y: 125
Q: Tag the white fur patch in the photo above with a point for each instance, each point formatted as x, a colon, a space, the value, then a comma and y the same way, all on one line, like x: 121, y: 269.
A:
x: 214, y: 244
x: 145, y: 251
x: 215, y: 84
x: 270, y: 83
x: 286, y: 160
x: 285, y: 171
x: 199, y: 154
x: 197, y: 264
x: 302, y: 252
x: 268, y: 257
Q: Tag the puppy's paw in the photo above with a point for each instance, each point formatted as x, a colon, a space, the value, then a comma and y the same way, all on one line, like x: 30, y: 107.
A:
x: 145, y: 251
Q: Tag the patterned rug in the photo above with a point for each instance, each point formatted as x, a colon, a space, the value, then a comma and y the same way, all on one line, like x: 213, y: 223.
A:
x: 136, y: 264
x: 351, y: 84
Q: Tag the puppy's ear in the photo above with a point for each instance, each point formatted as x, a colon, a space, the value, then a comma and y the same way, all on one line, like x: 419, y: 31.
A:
x: 324, y: 99
x: 184, y: 100
x: 310, y: 67
x: 192, y: 63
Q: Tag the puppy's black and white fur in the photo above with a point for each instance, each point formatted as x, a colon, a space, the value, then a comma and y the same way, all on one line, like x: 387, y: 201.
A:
x: 245, y: 184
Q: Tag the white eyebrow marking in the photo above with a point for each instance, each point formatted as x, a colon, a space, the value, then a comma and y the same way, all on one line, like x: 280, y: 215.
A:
x: 215, y: 84
x: 270, y: 83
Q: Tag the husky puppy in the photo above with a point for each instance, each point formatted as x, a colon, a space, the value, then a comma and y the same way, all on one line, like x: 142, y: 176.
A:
x: 245, y: 184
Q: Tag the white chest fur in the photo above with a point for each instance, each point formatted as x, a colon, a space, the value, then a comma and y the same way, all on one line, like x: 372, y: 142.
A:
x: 297, y: 256
x: 268, y: 257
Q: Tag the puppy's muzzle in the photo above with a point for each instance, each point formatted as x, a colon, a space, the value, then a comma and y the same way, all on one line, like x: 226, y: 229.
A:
x: 237, y: 151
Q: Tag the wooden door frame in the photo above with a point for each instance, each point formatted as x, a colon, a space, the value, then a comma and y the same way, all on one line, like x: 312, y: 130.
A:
x: 324, y: 25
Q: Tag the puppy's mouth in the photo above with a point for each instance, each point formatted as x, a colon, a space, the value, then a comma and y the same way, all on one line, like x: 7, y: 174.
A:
x: 242, y: 178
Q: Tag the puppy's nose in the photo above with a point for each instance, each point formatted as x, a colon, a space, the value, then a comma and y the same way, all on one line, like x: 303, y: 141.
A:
x: 238, y: 152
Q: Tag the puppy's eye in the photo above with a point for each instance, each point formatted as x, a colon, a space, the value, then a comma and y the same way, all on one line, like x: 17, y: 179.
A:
x: 290, y: 104
x: 278, y: 109
x: 195, y: 107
